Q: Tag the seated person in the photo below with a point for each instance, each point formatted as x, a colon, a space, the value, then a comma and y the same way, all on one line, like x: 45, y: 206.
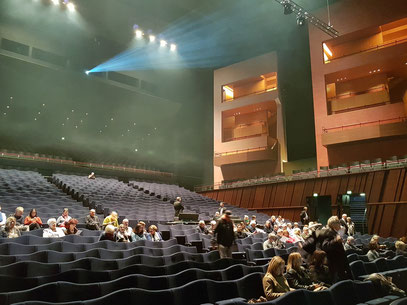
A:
x: 212, y: 227
x: 222, y: 208
x: 53, y: 231
x: 178, y: 207
x: 252, y: 228
x: 254, y: 218
x: 273, y: 241
x: 240, y: 233
x: 217, y: 216
x: 267, y: 227
x: 63, y: 218
x: 296, y: 226
x: 297, y: 276
x: 305, y: 232
x: 138, y: 233
x: 297, y: 235
x: 350, y: 245
x: 121, y: 234
x: 112, y: 219
x: 401, y: 248
x: 109, y: 233
x: 3, y: 218
x: 153, y: 235
x: 274, y: 282
x: 373, y: 252
x: 375, y: 238
x: 33, y: 221
x: 127, y: 229
x: 286, y: 238
x: 246, y: 220
x: 19, y: 217
x: 275, y: 229
x: 92, y: 221
x: 201, y: 228
x: 10, y: 230
x: 71, y: 228
x: 279, y: 221
x: 143, y: 224
x: 318, y: 268
x: 92, y: 176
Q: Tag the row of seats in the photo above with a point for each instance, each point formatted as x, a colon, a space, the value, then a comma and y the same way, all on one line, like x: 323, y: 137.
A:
x: 360, y: 268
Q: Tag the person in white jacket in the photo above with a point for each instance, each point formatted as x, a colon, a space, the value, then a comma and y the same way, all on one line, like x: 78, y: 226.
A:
x: 3, y: 218
x: 53, y: 231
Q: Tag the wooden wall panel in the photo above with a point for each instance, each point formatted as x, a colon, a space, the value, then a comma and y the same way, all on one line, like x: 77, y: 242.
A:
x: 390, y: 185
x: 377, y: 184
x: 259, y: 196
x: 386, y: 192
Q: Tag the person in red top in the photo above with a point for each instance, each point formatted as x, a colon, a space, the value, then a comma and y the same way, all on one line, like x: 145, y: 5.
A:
x: 33, y: 221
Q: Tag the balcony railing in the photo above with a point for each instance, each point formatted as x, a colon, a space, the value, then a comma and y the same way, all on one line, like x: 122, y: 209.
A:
x: 362, y: 124
x: 375, y: 48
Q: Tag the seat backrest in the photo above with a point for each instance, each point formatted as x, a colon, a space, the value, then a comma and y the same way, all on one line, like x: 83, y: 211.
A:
x: 343, y: 293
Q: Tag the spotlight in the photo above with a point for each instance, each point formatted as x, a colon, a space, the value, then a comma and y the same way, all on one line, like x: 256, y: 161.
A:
x: 87, y: 72
x: 315, y: 195
x: 349, y: 192
x: 139, y: 34
x: 71, y: 7
x: 163, y: 43
x: 173, y: 47
x: 288, y: 8
x: 300, y: 20
x: 362, y: 194
x: 152, y: 38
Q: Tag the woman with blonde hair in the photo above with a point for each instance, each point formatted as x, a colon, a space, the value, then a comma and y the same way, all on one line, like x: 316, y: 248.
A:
x: 274, y: 282
x: 297, y: 276
x: 10, y: 229
x: 153, y: 235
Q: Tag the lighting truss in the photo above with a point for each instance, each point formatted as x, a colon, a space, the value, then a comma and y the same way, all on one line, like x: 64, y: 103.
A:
x: 301, y: 12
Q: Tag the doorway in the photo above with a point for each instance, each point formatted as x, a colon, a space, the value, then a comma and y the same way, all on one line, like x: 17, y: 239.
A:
x: 320, y: 208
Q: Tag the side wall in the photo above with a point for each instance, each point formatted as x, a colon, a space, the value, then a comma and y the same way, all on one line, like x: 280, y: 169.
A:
x: 386, y: 194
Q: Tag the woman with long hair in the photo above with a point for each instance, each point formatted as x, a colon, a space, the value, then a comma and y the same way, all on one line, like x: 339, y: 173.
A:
x: 297, y: 276
x: 318, y: 268
x: 10, y: 229
x: 33, y: 221
x: 70, y: 227
x: 274, y: 282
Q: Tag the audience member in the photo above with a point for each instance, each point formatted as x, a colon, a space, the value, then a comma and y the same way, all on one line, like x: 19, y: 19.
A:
x: 351, y: 226
x: 225, y: 235
x: 222, y: 208
x: 127, y: 228
x: 92, y: 221
x: 400, y: 248
x: 240, y: 233
x: 350, y: 245
x: 201, y: 228
x: 304, y: 216
x: 33, y: 221
x: 267, y: 227
x: 373, y: 253
x: 246, y: 220
x: 143, y: 224
x: 331, y: 243
x: 273, y: 241
x: 178, y: 207
x: 318, y: 269
x: 153, y: 235
x: 217, y: 216
x: 121, y: 235
x: 138, y: 233
x: 274, y: 283
x: 112, y: 219
x: 375, y: 238
x: 296, y: 226
x: 344, y: 222
x: 286, y: 238
x: 10, y: 229
x: 92, y: 176
x: 18, y: 215
x: 272, y: 220
x: 275, y: 229
x: 71, y: 228
x: 109, y: 233
x: 279, y: 221
x: 64, y: 218
x: 3, y: 218
x: 305, y: 233
x: 254, y: 218
x: 297, y: 235
x: 212, y: 227
x: 297, y: 276
x: 252, y: 227
x: 52, y: 230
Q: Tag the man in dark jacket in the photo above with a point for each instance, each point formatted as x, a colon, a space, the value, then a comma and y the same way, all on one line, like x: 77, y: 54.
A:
x: 225, y: 235
x: 304, y: 216
x: 331, y: 243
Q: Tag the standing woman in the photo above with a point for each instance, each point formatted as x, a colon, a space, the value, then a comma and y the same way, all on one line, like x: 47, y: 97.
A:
x: 274, y: 282
x: 33, y: 221
x: 351, y: 227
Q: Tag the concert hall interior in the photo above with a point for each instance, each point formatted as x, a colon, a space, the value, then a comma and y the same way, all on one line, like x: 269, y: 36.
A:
x: 203, y: 152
